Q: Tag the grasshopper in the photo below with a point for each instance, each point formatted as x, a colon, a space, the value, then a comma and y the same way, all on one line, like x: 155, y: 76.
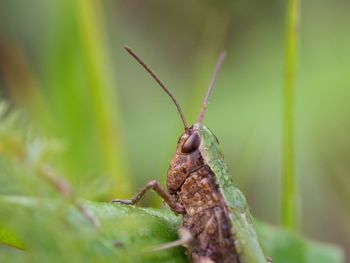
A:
x: 217, y: 224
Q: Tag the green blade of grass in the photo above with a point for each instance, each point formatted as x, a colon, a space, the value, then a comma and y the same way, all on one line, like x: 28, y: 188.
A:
x: 101, y: 90
x: 289, y: 190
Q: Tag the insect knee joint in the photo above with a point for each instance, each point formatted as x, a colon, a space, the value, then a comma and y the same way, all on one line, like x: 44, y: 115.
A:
x: 153, y: 183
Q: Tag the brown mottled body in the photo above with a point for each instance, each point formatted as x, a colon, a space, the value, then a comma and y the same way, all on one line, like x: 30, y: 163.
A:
x: 192, y: 183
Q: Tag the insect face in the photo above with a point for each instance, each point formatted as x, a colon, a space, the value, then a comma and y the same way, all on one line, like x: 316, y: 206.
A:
x: 186, y: 159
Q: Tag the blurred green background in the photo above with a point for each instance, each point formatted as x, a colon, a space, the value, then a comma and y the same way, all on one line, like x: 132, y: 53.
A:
x: 62, y: 62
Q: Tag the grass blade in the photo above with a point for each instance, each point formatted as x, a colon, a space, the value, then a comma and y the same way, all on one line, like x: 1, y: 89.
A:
x: 289, y: 190
x: 101, y: 89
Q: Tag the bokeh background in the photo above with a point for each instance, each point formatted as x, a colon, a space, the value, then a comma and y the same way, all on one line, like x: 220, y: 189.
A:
x: 63, y: 64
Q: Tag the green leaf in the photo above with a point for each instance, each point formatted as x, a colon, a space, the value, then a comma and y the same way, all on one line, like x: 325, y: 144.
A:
x: 9, y: 238
x: 54, y: 230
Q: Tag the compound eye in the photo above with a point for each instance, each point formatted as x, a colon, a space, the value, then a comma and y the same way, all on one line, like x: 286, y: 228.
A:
x: 192, y: 143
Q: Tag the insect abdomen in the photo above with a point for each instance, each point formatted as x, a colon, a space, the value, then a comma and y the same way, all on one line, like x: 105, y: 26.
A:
x: 207, y: 218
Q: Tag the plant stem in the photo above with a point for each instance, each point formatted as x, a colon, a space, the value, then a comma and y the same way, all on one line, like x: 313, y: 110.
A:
x: 289, y: 191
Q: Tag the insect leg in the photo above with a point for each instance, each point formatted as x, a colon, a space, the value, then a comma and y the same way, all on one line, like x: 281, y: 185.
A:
x: 201, y: 259
x: 155, y: 186
x: 218, y: 217
x: 185, y: 239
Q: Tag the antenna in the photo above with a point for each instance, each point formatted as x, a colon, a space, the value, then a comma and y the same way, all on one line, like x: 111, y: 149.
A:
x: 218, y: 65
x: 154, y: 76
